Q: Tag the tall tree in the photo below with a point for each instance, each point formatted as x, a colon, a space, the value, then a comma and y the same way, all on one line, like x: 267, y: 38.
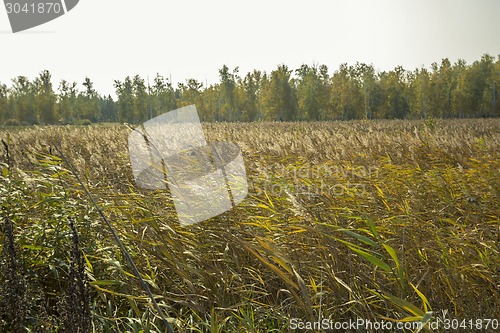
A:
x: 4, y: 104
x: 279, y: 96
x: 126, y: 103
x: 163, y: 95
x: 487, y: 75
x: 446, y: 84
x: 460, y: 101
x: 45, y: 99
x: 367, y: 82
x: 23, y: 100
x: 228, y: 96
x: 142, y: 106
x: 88, y: 102
x: 251, y: 86
x: 394, y: 87
x: 309, y: 93
x: 419, y: 93
x: 346, y: 98
x: 496, y: 89
x: 108, y: 109
x: 67, y: 100
x: 191, y: 93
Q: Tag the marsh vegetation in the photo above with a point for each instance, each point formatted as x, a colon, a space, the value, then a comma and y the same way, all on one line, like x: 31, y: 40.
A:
x: 344, y: 220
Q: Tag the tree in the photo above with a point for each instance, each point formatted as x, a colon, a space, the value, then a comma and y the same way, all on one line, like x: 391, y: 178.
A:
x: 4, y: 104
x: 393, y: 85
x: 496, y: 89
x: 211, y: 100
x: 345, y: 98
x: 67, y: 101
x: 191, y: 93
x: 419, y: 93
x: 279, y: 95
x: 228, y: 104
x: 251, y: 87
x: 486, y: 73
x: 23, y: 101
x: 45, y: 99
x: 460, y: 101
x: 163, y: 96
x: 125, y: 104
x: 88, y: 106
x: 446, y: 84
x: 142, y: 108
x: 475, y: 93
x: 108, y: 109
x: 309, y: 93
x: 366, y: 80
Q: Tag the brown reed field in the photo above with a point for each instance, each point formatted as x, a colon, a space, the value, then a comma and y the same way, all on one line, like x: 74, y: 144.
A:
x: 381, y: 220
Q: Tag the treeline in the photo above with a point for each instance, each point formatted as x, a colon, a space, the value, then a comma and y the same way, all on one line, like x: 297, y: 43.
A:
x: 357, y: 91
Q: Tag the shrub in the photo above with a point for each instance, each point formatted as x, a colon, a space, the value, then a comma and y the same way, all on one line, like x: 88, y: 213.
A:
x: 12, y: 122
x: 83, y: 122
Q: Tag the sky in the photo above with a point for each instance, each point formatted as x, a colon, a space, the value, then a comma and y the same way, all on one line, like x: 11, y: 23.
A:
x: 108, y: 40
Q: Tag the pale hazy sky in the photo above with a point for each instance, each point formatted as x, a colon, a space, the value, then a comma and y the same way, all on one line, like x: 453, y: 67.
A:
x: 110, y: 39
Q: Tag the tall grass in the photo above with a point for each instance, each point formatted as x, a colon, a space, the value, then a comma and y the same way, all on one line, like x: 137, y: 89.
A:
x: 344, y: 220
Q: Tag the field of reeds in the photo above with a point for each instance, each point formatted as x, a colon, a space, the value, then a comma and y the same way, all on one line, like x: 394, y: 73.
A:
x: 378, y: 220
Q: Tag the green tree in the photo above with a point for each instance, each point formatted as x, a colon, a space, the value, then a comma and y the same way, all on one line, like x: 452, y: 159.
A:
x: 67, y: 100
x: 279, y: 97
x: 345, y: 98
x: 23, y: 101
x: 309, y: 93
x: 163, y: 96
x: 228, y: 103
x: 211, y: 102
x: 441, y: 84
x: 251, y: 86
x: 191, y: 93
x: 419, y: 93
x: 366, y: 80
x: 486, y: 72
x: 393, y: 85
x: 125, y: 103
x: 496, y: 89
x: 108, y: 109
x: 460, y: 101
x: 88, y: 106
x: 45, y: 98
x: 474, y: 94
x: 4, y: 103
x: 142, y: 109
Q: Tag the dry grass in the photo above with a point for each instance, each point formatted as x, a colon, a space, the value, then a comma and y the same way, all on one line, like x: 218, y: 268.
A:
x: 344, y: 220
